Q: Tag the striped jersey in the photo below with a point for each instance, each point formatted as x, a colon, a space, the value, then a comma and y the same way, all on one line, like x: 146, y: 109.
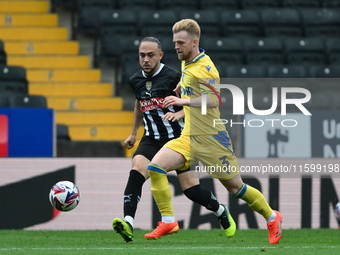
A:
x: 150, y: 93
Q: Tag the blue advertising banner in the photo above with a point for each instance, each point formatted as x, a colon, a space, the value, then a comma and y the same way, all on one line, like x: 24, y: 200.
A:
x: 30, y: 132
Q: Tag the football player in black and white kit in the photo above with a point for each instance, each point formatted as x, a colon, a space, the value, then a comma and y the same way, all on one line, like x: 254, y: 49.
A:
x: 151, y: 85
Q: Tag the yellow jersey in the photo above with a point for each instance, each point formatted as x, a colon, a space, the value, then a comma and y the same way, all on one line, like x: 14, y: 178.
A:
x: 199, y: 77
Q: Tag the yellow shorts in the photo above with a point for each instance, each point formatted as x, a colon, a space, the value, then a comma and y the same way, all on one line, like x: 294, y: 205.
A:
x: 215, y: 152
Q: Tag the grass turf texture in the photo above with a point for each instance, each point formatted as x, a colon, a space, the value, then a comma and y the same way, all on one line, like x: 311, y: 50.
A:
x: 302, y: 241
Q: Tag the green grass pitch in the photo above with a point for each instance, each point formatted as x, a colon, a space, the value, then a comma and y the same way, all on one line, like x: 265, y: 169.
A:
x: 301, y: 241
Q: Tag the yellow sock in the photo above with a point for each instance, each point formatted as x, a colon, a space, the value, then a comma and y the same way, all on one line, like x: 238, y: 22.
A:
x: 255, y: 200
x: 160, y: 189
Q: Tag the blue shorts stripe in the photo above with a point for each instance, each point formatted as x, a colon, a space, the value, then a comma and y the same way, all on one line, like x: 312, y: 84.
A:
x: 156, y: 168
x: 241, y: 191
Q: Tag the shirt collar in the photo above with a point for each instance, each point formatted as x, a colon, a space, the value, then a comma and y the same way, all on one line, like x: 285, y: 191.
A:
x: 157, y: 72
x: 197, y: 57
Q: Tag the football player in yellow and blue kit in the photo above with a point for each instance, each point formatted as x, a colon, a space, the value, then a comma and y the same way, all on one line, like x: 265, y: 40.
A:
x: 201, y: 140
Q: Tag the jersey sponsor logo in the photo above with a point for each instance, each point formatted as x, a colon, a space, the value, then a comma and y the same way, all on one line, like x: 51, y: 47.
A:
x: 151, y: 104
x: 187, y: 91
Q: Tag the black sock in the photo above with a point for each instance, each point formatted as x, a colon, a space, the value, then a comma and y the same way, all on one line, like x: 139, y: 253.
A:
x: 133, y: 192
x: 202, y: 196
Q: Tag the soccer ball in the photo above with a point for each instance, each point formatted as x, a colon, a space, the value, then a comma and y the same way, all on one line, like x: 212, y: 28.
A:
x: 337, y: 210
x: 64, y: 196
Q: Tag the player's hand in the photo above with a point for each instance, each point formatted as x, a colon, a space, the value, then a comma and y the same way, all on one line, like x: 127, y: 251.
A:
x: 177, y: 90
x: 130, y: 141
x: 171, y: 116
x: 171, y: 100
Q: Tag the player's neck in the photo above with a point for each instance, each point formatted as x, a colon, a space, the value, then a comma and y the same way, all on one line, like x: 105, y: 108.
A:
x: 194, y: 53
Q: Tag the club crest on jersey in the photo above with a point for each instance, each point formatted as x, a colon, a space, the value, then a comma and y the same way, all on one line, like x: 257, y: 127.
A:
x: 148, y: 85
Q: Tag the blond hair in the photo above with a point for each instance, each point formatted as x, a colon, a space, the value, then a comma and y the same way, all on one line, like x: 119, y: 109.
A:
x: 188, y: 25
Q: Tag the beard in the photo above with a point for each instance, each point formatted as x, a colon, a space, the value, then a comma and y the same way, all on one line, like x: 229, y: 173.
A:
x: 183, y: 56
x: 151, y: 72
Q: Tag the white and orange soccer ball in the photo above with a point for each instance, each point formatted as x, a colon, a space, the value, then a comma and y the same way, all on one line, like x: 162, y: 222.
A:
x: 64, y: 196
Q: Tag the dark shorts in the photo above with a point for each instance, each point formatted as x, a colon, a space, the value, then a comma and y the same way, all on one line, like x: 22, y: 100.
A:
x: 148, y: 147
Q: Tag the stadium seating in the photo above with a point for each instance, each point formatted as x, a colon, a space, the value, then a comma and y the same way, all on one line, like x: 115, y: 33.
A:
x: 27, y: 101
x: 321, y: 22
x: 2, y: 54
x: 281, y: 22
x: 36, y: 33
x: 240, y: 23
x: 323, y: 71
x: 305, y: 51
x: 178, y: 4
x: 207, y: 19
x: 42, y: 47
x: 330, y: 3
x: 264, y: 50
x: 223, y: 50
x: 219, y: 4
x: 63, y: 133
x: 24, y: 7
x: 118, y: 22
x: 3, y: 99
x: 87, y: 15
x: 26, y: 20
x: 260, y: 4
x: 301, y: 3
x: 55, y: 70
x: 170, y: 56
x: 244, y: 71
x: 13, y: 79
x: 287, y: 71
x: 137, y: 4
x: 332, y: 48
x: 88, y: 19
x: 154, y: 22
x: 115, y: 24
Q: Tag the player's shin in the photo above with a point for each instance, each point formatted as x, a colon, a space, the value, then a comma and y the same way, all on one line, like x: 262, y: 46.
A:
x: 255, y: 200
x: 161, y: 190
x: 132, y: 193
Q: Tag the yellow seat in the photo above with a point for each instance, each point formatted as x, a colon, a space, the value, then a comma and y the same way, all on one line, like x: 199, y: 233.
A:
x: 41, y: 48
x: 94, y: 117
x: 33, y: 33
x: 102, y: 132
x: 49, y: 61
x: 85, y: 103
x: 41, y: 19
x: 63, y: 75
x: 71, y: 89
x: 23, y: 6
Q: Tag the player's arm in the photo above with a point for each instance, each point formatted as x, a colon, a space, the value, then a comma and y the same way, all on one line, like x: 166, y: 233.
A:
x: 173, y: 116
x: 192, y: 102
x: 137, y: 122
